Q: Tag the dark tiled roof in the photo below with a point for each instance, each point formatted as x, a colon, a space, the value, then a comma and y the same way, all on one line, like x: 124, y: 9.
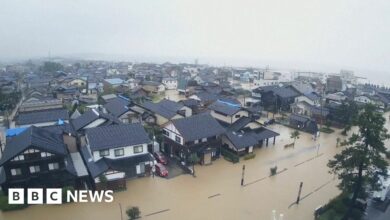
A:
x: 282, y: 91
x: 263, y: 133
x: 64, y: 128
x: 286, y: 92
x: 302, y: 88
x: 206, y: 97
x: 299, y: 118
x: 249, y: 137
x: 198, y: 127
x: 114, y: 136
x: 91, y: 116
x: 50, y: 115
x: 190, y: 102
x: 117, y: 106
x: 224, y: 108
x: 39, y: 138
x: 165, y: 108
x: 240, y: 123
x: 102, y: 165
x: 312, y: 96
x: 241, y: 140
x: 318, y: 111
x: 94, y: 168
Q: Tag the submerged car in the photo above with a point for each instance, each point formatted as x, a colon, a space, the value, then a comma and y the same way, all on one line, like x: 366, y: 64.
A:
x: 160, y: 157
x: 161, y: 170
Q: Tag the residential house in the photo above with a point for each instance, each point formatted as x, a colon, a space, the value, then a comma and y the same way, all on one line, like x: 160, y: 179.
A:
x: 41, y: 118
x: 246, y: 134
x: 303, y: 123
x: 112, y: 83
x: 119, y: 107
x: 41, y: 104
x: 277, y: 97
x: 205, y: 98
x: 163, y: 111
x: 117, y: 152
x: 198, y: 134
x: 227, y: 112
x: 37, y: 158
x: 334, y: 84
x: 170, y: 83
x: 66, y: 93
x: 152, y: 87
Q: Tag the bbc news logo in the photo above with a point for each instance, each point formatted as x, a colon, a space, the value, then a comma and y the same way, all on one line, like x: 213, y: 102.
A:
x: 55, y: 196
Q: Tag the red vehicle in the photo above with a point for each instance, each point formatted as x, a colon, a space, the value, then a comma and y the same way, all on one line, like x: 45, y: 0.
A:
x: 161, y: 170
x: 160, y: 157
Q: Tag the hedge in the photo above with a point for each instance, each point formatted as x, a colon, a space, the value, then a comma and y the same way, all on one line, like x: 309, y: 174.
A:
x: 4, y: 206
x: 230, y: 156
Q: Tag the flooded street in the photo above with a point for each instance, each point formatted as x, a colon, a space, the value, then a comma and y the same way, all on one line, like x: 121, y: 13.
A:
x: 216, y: 193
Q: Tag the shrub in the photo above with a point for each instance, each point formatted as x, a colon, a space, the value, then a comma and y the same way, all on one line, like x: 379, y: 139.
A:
x: 231, y: 156
x: 326, y: 130
x: 64, y: 192
x: 133, y: 213
x: 4, y: 206
x: 249, y: 156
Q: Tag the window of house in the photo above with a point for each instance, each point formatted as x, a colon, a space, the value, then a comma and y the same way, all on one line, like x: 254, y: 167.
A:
x: 45, y: 154
x: 34, y: 169
x: 18, y: 158
x: 138, y: 149
x: 16, y: 171
x: 104, y: 153
x: 119, y: 152
x: 54, y: 166
x: 178, y: 139
x: 237, y: 116
x: 165, y: 132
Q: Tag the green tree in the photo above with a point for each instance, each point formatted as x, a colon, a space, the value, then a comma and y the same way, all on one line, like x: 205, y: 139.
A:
x: 295, y: 135
x: 359, y: 165
x: 133, y: 213
x: 51, y: 67
x: 193, y: 159
x: 103, y: 181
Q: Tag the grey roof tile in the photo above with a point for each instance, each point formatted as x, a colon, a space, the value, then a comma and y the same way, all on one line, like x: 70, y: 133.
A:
x: 198, y: 127
x: 114, y: 136
x: 49, y: 115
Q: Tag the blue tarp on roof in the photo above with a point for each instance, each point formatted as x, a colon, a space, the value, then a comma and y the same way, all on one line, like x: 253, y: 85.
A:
x: 15, y: 131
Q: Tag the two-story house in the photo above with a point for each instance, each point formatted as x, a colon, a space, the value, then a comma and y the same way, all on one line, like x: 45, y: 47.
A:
x: 164, y: 111
x: 36, y: 157
x: 117, y: 152
x: 199, y: 134
x: 226, y: 112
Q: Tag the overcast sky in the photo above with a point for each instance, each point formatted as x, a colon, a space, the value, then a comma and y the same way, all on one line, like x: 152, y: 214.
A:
x: 305, y: 34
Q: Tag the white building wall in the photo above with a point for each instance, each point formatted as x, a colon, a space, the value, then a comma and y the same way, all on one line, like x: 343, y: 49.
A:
x: 128, y: 152
x: 173, y: 132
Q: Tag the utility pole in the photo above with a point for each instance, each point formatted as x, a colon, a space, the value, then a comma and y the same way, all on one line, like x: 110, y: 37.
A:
x: 299, y: 192
x: 318, y: 148
x: 120, y: 208
x: 243, y: 175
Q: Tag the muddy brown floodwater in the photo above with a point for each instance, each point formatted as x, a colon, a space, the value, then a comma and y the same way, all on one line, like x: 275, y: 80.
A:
x: 216, y: 193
